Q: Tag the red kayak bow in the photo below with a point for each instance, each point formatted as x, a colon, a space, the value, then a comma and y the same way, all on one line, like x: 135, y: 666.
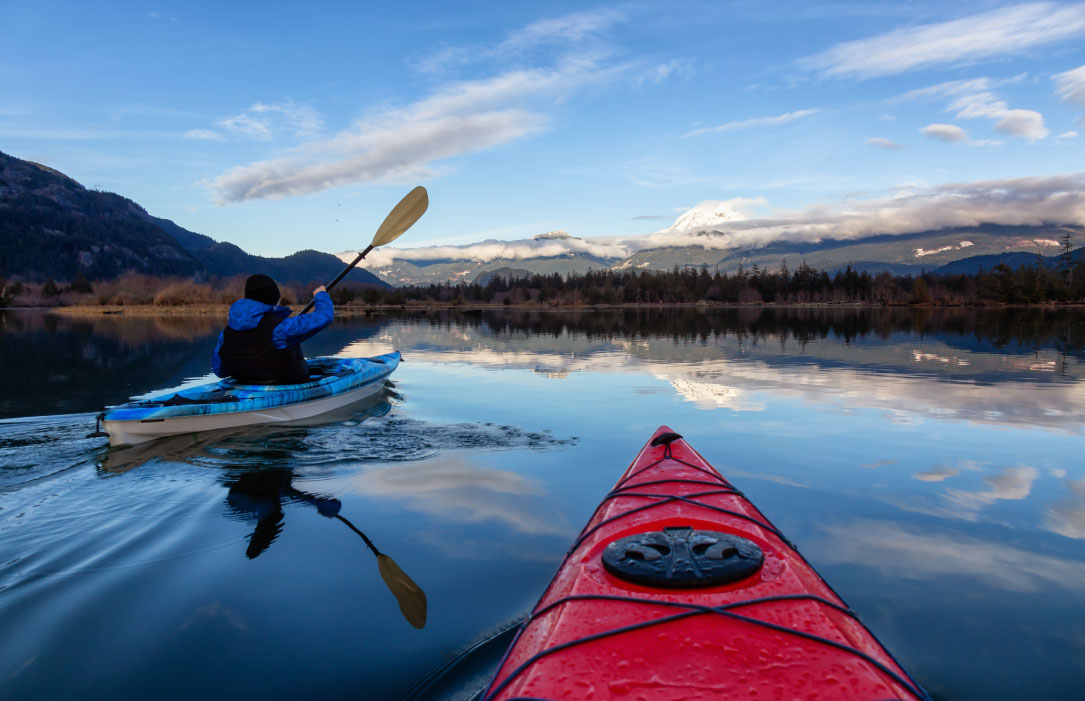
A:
x: 679, y: 588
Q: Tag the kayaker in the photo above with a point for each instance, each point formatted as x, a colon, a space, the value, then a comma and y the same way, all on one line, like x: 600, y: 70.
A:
x: 262, y: 341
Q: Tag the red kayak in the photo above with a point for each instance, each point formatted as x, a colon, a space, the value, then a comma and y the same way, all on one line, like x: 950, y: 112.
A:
x: 679, y: 588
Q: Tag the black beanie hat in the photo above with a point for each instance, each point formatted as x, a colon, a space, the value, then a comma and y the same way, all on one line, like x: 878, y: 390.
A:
x: 262, y: 289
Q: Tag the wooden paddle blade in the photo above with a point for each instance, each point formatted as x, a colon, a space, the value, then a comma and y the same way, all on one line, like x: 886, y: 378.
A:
x: 411, y: 598
x: 402, y: 216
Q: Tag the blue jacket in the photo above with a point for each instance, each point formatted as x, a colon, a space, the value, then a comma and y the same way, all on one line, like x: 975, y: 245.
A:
x: 245, y: 314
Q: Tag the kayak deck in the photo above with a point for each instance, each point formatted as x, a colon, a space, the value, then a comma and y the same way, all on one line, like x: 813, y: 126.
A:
x: 659, y: 616
x: 334, y: 383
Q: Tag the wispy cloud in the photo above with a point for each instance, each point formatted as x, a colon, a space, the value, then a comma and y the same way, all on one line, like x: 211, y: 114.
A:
x: 574, y: 27
x: 997, y: 32
x: 755, y: 122
x: 403, y: 144
x: 263, y: 121
x: 882, y: 142
x: 564, y: 32
x: 409, y: 143
x: 1070, y: 86
x: 203, y: 135
x: 949, y: 133
x: 660, y: 73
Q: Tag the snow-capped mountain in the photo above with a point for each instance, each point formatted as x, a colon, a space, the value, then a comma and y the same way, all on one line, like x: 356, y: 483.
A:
x: 559, y: 252
x: 707, y: 215
x: 552, y: 235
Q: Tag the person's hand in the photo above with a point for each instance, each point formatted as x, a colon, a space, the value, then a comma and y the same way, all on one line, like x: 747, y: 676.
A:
x: 319, y: 289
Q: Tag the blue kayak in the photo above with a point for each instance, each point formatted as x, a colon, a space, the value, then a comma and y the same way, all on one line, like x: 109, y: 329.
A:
x: 333, y: 383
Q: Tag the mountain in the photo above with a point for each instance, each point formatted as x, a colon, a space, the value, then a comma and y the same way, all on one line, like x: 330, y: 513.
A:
x: 973, y: 264
x: 506, y: 273
x: 53, y: 227
x: 681, y: 245
x: 705, y: 216
x: 899, y: 254
x: 552, y: 252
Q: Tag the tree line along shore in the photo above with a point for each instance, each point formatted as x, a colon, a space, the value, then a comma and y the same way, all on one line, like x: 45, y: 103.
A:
x: 1001, y: 285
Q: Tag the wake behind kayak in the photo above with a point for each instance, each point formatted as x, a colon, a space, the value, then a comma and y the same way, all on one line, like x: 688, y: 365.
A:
x: 679, y: 588
x: 333, y: 384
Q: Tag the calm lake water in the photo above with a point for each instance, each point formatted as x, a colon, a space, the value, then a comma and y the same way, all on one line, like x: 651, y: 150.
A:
x: 929, y: 464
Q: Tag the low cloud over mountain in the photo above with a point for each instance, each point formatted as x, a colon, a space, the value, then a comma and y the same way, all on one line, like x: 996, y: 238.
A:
x: 723, y: 225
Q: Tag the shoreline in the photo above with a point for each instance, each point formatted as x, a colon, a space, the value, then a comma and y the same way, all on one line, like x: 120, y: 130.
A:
x: 150, y: 310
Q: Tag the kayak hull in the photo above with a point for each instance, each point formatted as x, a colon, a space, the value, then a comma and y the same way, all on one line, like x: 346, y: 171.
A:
x: 233, y: 405
x: 774, y: 631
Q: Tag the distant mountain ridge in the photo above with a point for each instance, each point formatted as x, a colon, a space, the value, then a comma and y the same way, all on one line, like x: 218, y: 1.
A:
x: 974, y: 264
x: 53, y: 227
x: 899, y: 254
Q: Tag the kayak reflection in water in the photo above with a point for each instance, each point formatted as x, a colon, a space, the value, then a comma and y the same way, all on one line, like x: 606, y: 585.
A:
x: 260, y: 496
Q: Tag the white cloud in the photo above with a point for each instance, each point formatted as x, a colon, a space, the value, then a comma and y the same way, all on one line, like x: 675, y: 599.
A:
x: 495, y: 250
x: 203, y: 134
x: 245, y: 125
x: 947, y: 89
x: 998, y: 32
x: 973, y: 99
x: 755, y: 122
x: 1070, y: 86
x: 882, y: 142
x: 1012, y: 202
x: 1025, y: 124
x: 1067, y: 135
x: 262, y: 122
x: 657, y: 74
x: 575, y: 29
x: 402, y: 145
x: 945, y: 132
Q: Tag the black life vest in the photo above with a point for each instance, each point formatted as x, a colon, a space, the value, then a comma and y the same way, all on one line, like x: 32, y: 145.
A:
x: 251, y: 356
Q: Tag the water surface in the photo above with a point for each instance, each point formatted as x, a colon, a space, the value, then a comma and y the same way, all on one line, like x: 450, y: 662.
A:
x: 927, y: 463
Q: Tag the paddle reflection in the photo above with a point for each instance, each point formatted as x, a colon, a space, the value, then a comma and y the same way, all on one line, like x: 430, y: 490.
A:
x: 261, y: 496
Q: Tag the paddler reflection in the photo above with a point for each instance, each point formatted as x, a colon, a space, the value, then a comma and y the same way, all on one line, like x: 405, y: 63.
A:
x: 260, y: 496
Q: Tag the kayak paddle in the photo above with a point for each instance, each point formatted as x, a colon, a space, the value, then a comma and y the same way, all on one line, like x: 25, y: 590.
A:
x: 411, y: 598
x: 409, y: 210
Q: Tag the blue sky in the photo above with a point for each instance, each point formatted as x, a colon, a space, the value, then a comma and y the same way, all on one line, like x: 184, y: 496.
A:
x: 287, y: 126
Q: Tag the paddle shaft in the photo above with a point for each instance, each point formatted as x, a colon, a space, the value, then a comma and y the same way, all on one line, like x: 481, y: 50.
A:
x: 352, y: 527
x: 339, y: 277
